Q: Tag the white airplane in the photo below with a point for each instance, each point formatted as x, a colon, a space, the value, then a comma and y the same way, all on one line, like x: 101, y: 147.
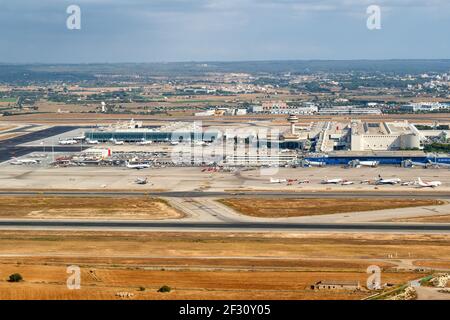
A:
x: 315, y: 163
x: 144, y: 142
x: 89, y: 141
x: 19, y: 162
x: 38, y: 155
x: 68, y: 142
x: 174, y: 143
x: 359, y: 164
x: 372, y: 164
x: 138, y: 166
x: 332, y: 181
x: 117, y: 142
x: 388, y: 181
x: 431, y: 184
x: 79, y: 138
x: 347, y: 183
x: 141, y: 181
x: 272, y: 180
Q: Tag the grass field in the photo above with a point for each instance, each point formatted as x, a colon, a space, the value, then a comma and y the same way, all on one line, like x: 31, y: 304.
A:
x: 88, y: 207
x: 277, y: 208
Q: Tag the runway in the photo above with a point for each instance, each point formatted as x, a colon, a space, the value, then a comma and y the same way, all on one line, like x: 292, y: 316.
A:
x: 219, y: 226
x: 256, y: 194
x: 11, y: 148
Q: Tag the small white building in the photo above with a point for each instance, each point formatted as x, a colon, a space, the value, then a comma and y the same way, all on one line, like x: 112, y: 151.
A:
x: 98, y: 153
x: 424, y: 107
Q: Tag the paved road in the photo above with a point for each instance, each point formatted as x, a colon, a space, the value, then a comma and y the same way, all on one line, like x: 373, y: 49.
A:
x: 223, y: 226
x: 262, y: 194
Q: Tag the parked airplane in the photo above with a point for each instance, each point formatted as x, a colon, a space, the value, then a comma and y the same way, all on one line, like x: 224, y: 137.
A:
x: 19, y: 162
x: 117, y: 142
x: 372, y: 164
x: 347, y: 183
x: 141, y: 181
x: 359, y: 164
x: 315, y: 163
x: 388, y: 181
x: 68, y: 142
x: 144, y: 142
x: 89, y: 141
x: 138, y: 166
x: 272, y: 180
x: 174, y: 143
x: 431, y: 184
x: 79, y: 137
x: 332, y: 181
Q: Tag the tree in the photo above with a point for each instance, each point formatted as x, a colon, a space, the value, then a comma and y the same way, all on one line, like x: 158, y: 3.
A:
x: 15, y: 277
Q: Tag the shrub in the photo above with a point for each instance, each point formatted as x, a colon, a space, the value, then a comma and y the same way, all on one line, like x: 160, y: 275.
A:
x: 15, y: 277
x: 164, y: 289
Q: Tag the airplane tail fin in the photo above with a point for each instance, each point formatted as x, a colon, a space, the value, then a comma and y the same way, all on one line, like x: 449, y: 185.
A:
x: 419, y: 180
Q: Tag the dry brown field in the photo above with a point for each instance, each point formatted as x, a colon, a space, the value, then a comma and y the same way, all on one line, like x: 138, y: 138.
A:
x: 430, y: 219
x: 49, y: 282
x: 277, y: 208
x: 204, y: 265
x: 433, y: 264
x: 40, y: 207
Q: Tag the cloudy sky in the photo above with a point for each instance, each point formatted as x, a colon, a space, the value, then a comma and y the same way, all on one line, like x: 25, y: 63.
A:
x: 213, y: 30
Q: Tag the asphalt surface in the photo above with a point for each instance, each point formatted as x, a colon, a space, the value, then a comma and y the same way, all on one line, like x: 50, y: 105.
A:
x: 256, y: 194
x: 243, y: 226
x: 11, y: 148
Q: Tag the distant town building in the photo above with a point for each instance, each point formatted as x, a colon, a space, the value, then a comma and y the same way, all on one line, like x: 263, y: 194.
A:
x: 222, y: 112
x: 207, y: 113
x: 349, y: 110
x: 424, y: 107
x: 284, y: 108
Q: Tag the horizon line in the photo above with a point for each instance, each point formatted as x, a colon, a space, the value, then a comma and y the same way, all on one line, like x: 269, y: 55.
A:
x: 226, y: 61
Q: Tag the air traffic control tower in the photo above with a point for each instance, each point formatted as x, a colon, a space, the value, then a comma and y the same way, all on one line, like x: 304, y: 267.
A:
x: 293, y: 120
